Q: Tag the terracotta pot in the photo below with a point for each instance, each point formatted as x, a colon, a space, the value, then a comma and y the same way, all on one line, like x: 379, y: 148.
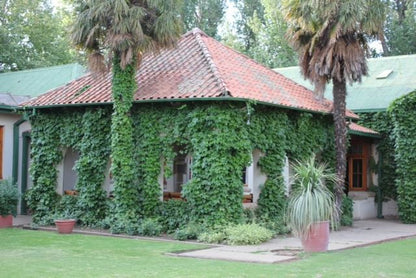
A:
x: 6, y: 221
x: 65, y: 226
x: 318, y: 238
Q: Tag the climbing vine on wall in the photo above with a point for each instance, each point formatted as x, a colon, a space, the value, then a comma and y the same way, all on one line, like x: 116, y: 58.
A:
x: 219, y: 136
x: 382, y: 123
x: 125, y: 189
x: 85, y: 131
x: 403, y: 113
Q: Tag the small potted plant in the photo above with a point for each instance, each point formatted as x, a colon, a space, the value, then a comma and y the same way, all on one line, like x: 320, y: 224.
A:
x: 311, y: 205
x: 65, y: 221
x: 9, y: 197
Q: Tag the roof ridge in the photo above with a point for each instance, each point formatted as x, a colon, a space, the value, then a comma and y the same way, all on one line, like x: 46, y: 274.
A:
x: 206, y: 54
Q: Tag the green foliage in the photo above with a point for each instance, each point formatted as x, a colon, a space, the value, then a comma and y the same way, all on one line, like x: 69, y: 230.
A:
x: 220, y: 137
x: 247, y: 234
x: 33, y: 35
x: 347, y: 211
x: 91, y: 166
x: 82, y: 130
x: 150, y: 227
x: 174, y: 214
x: 190, y: 231
x: 237, y: 234
x: 221, y: 149
x: 204, y: 14
x: 67, y: 208
x: 311, y: 200
x: 403, y: 113
x: 382, y: 123
x: 212, y: 237
x: 9, y: 196
x: 400, y: 28
x: 125, y: 187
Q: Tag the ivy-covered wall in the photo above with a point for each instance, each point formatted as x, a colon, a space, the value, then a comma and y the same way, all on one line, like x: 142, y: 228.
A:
x: 403, y: 114
x: 220, y: 137
x: 383, y: 124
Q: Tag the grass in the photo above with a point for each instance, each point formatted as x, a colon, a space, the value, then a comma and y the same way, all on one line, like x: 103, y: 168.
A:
x: 26, y: 253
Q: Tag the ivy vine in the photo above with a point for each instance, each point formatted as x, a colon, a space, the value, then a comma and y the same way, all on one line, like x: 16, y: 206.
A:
x: 219, y: 136
x: 382, y: 123
x: 403, y: 113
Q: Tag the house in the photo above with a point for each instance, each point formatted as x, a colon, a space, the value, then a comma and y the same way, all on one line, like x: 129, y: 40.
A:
x: 210, y: 125
x: 16, y: 88
x: 389, y: 79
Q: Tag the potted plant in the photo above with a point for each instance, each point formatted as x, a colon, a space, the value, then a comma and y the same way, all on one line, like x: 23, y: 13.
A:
x: 9, y: 197
x: 65, y: 221
x: 311, y: 204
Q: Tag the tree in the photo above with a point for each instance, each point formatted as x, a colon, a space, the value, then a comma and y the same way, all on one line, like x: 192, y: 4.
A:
x: 261, y: 31
x: 400, y: 27
x: 272, y: 47
x: 204, y: 14
x: 331, y: 38
x: 123, y: 31
x: 248, y: 9
x: 33, y: 34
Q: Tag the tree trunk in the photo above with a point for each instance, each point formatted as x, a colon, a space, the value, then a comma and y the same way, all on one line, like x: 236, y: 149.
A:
x: 339, y: 93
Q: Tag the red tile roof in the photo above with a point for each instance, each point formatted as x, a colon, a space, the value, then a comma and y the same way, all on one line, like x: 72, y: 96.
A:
x: 356, y: 128
x: 198, y: 68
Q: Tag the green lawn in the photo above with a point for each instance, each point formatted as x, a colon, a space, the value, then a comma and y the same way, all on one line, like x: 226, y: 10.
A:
x: 26, y: 253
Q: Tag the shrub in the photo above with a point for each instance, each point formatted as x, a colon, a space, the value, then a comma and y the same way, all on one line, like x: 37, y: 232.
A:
x: 191, y: 231
x: 212, y: 237
x: 347, y: 207
x: 67, y: 208
x: 173, y: 215
x: 9, y: 196
x: 247, y: 234
x: 150, y: 227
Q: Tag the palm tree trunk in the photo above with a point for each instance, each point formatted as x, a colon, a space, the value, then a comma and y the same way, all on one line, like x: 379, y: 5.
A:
x: 339, y: 93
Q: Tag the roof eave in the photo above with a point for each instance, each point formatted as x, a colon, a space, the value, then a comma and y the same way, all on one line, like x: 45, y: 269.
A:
x: 364, y: 134
x: 223, y: 98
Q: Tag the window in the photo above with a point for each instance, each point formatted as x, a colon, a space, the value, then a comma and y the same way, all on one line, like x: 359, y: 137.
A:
x: 357, y: 166
x: 181, y: 174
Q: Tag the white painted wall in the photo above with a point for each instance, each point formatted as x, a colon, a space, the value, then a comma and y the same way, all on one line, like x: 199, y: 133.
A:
x: 365, y: 206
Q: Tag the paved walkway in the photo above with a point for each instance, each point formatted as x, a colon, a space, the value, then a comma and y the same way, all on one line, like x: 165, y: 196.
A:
x: 362, y: 233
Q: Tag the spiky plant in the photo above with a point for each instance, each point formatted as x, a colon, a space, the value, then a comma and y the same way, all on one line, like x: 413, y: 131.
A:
x: 311, y: 200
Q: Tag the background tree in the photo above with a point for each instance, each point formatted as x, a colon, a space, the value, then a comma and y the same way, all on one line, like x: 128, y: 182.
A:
x: 207, y: 15
x: 260, y: 33
x: 400, y: 28
x: 124, y: 30
x: 331, y: 37
x: 33, y: 34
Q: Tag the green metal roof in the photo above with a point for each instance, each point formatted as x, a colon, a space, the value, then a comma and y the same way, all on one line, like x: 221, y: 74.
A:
x: 38, y: 81
x: 372, y: 94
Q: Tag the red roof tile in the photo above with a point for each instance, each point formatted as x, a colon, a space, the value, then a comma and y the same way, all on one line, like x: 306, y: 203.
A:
x: 361, y: 129
x: 198, y: 68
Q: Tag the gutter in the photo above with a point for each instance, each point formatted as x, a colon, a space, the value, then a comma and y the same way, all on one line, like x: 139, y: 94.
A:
x: 364, y: 134
x: 184, y: 100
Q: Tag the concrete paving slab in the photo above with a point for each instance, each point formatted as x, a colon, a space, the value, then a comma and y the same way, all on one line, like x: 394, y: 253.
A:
x: 362, y: 233
x: 229, y: 255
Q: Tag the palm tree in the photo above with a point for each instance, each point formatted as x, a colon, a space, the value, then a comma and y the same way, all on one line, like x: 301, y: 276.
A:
x: 331, y: 38
x: 122, y: 31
